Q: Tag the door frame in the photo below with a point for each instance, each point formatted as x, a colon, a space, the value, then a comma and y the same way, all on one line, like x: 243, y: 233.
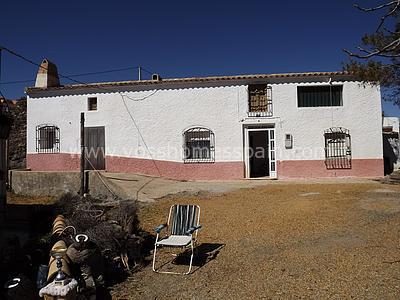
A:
x: 268, y: 128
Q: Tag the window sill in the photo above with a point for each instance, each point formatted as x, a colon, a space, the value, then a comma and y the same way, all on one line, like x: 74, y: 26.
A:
x: 259, y: 114
x: 47, y: 152
x: 198, y: 161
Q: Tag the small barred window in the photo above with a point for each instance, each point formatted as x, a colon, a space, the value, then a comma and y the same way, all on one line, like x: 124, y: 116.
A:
x: 337, y: 148
x: 260, y: 100
x: 198, y: 145
x: 47, y: 139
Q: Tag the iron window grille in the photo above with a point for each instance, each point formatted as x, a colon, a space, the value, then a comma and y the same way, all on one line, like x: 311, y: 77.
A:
x: 199, y: 145
x: 337, y: 148
x: 260, y: 100
x: 47, y: 139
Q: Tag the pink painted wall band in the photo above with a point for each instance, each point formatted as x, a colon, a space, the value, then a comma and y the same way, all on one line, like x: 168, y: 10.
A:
x: 363, y: 168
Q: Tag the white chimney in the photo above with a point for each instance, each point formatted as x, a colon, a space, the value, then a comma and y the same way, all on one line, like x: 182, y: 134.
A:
x: 47, y: 75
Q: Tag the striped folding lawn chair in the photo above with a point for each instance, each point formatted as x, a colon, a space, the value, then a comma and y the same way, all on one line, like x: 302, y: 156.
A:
x: 181, y: 231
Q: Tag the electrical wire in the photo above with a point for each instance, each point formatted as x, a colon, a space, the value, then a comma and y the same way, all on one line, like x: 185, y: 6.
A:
x: 38, y: 65
x: 17, y: 82
x: 78, y: 75
x: 108, y: 90
x: 139, y: 99
x: 140, y: 134
x: 147, y: 71
x: 101, y: 179
x: 69, y: 77
x: 105, y: 72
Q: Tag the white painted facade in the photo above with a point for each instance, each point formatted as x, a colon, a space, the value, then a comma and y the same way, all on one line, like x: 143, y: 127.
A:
x: 161, y: 113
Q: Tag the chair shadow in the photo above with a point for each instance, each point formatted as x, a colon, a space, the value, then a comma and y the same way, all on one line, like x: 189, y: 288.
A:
x: 203, y: 254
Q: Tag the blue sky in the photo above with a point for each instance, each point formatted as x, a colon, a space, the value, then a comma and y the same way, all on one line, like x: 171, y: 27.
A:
x: 180, y: 38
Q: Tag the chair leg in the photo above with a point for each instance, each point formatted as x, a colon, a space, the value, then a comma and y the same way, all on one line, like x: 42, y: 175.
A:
x: 154, y: 257
x: 166, y: 272
x: 191, y: 258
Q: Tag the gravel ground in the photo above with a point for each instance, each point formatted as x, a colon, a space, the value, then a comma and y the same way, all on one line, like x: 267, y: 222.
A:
x: 319, y: 240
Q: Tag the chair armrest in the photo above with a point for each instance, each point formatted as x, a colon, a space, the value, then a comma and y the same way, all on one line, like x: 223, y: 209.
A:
x: 193, y: 229
x: 159, y: 228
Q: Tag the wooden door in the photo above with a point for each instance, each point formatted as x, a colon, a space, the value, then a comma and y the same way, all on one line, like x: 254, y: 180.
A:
x: 95, y: 148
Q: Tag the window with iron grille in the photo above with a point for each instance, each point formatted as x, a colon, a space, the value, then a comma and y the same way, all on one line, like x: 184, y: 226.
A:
x: 47, y: 139
x: 337, y: 148
x: 260, y: 100
x: 198, y: 145
x: 316, y: 96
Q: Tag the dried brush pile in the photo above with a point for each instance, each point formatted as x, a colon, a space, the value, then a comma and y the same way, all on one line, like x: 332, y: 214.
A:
x: 114, y: 230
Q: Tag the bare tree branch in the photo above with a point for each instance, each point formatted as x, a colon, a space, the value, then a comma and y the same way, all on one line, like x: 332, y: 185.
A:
x: 396, y: 5
x: 380, y: 50
x: 389, y: 49
x: 394, y: 45
x: 391, y: 31
x: 391, y: 12
x: 369, y: 9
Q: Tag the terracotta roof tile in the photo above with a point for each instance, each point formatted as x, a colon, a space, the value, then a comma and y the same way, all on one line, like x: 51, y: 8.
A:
x: 186, y: 80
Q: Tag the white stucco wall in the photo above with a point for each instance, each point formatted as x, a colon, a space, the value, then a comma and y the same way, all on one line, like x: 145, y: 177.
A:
x: 360, y: 113
x: 161, y: 119
x: 166, y: 113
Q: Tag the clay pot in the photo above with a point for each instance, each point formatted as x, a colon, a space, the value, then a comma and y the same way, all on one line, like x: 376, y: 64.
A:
x: 53, y: 263
x: 58, y: 225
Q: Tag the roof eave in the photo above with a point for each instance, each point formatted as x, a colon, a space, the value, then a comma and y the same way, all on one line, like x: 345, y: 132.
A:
x: 31, y: 90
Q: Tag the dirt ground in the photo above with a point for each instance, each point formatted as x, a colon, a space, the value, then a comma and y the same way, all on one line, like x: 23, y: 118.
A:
x: 320, y: 240
x: 28, y: 200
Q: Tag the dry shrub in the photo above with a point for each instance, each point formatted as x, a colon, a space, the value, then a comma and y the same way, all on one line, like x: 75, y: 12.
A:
x: 67, y: 203
x: 84, y: 217
x: 108, y: 238
x: 80, y: 212
x: 127, y: 216
x: 114, y: 230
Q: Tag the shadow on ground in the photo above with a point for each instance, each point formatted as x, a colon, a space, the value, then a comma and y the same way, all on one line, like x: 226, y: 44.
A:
x: 204, y: 253
x: 393, y: 178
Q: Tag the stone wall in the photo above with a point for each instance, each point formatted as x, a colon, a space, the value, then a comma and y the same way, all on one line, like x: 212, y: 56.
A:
x: 17, y: 139
x: 54, y: 184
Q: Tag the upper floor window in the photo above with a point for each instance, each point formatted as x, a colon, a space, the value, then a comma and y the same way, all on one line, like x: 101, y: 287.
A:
x: 92, y: 103
x: 315, y: 96
x: 47, y: 139
x: 337, y: 148
x: 260, y: 100
x: 199, y: 145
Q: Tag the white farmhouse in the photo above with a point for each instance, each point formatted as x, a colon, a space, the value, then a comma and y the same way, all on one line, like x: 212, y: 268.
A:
x: 296, y: 125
